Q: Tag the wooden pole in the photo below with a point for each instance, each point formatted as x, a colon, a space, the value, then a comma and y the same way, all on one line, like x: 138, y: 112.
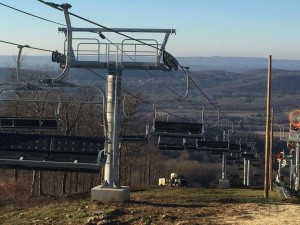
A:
x: 271, y: 150
x: 267, y: 144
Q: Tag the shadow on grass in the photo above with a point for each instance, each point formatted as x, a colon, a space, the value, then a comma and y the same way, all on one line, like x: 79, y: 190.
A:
x: 171, y: 205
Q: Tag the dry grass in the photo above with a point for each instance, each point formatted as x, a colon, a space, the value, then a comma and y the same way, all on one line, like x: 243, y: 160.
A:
x: 151, y: 205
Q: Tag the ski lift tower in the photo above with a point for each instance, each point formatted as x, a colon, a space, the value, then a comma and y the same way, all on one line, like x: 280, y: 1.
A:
x: 100, y: 53
x: 293, y: 145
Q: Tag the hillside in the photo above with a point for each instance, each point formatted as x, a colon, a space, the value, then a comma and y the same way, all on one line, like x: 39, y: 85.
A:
x: 160, y: 206
x: 240, y: 95
x: 231, y: 64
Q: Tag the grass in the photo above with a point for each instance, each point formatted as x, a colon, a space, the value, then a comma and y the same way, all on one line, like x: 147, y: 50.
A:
x: 188, y: 195
x: 78, y: 211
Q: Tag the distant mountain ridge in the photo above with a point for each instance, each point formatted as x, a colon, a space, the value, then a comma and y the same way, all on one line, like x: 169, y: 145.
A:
x: 237, y: 64
x: 232, y: 64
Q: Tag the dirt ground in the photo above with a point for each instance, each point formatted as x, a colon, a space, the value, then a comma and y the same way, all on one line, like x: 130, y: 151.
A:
x: 207, y: 213
x: 215, y: 213
x: 163, y: 206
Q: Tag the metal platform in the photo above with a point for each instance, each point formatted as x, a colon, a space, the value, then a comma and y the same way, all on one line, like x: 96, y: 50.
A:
x: 129, y: 54
x: 49, y: 152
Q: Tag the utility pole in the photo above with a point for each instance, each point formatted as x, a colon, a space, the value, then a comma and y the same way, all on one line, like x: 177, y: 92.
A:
x: 267, y: 143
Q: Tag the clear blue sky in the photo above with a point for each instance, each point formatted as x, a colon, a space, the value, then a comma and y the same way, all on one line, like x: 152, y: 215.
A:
x: 249, y: 28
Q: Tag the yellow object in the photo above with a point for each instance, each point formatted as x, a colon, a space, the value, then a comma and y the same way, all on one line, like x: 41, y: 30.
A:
x: 162, y: 181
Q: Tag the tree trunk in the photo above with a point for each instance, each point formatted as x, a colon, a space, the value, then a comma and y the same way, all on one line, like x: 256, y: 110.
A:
x: 64, y: 181
x: 32, y: 190
x: 76, y: 183
x: 149, y: 171
x: 16, y: 174
x: 129, y: 182
x: 40, y: 184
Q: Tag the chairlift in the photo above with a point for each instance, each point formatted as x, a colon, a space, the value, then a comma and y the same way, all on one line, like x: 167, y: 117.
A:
x: 22, y: 123
x: 240, y: 168
x: 171, y: 143
x: 135, y: 138
x: 49, y: 152
x: 26, y: 124
x: 176, y: 128
x: 233, y: 147
x: 233, y: 156
x: 190, y: 144
x: 132, y: 138
x: 247, y: 146
x: 82, y: 52
x: 256, y: 164
x: 215, y: 146
x: 249, y: 155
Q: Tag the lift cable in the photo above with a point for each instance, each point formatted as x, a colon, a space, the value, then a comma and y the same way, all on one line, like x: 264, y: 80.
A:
x: 209, y: 100
x: 56, y: 6
x: 27, y: 46
x: 151, y: 74
x: 143, y: 100
x: 51, y: 21
x: 147, y: 102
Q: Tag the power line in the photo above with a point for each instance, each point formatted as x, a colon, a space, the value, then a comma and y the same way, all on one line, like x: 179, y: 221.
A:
x: 51, y: 21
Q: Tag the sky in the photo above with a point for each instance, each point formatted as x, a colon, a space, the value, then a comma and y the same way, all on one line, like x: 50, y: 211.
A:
x: 245, y: 28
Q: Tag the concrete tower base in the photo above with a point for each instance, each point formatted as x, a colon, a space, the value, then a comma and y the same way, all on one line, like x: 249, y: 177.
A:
x: 224, y: 184
x: 108, y: 194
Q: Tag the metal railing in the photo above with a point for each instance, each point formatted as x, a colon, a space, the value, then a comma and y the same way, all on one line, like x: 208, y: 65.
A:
x: 90, y: 49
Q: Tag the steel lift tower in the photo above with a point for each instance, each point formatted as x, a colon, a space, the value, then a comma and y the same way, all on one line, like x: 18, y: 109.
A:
x: 92, y: 53
x: 292, y: 159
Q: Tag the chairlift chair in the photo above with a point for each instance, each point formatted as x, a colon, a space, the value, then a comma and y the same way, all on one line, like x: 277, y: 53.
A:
x: 178, y: 129
x: 51, y: 152
x: 233, y: 156
x: 175, y: 144
x: 132, y: 138
x: 215, y: 146
x: 48, y: 152
x: 135, y: 138
x: 22, y: 123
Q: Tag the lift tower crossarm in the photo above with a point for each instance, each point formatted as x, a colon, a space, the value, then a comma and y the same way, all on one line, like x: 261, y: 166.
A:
x: 131, y: 53
x: 121, y: 30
